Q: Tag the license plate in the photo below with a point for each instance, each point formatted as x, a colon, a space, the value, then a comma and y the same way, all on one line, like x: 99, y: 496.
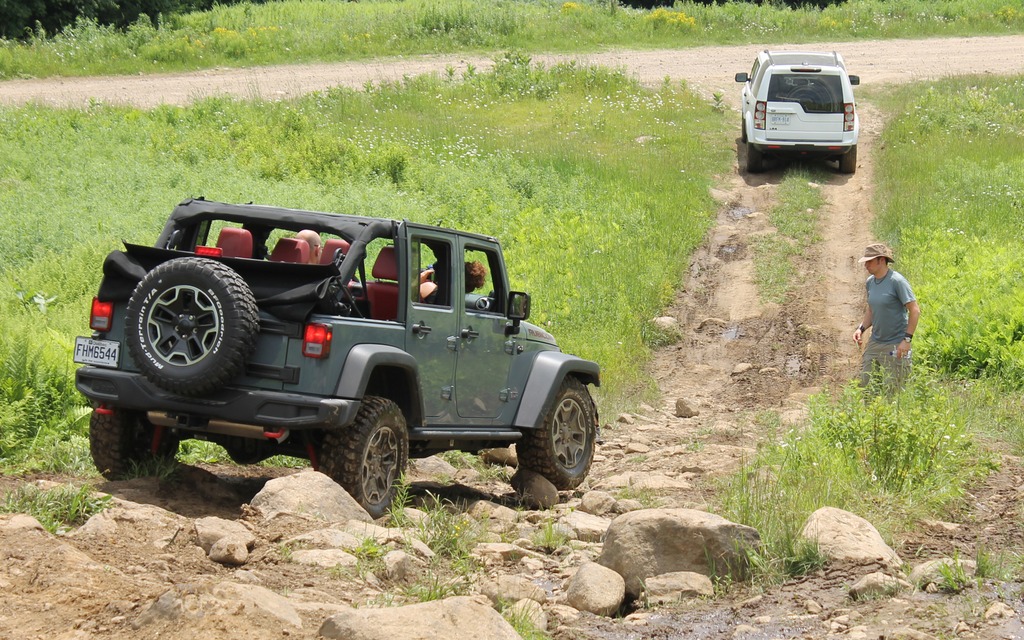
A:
x: 102, y: 353
x: 779, y: 119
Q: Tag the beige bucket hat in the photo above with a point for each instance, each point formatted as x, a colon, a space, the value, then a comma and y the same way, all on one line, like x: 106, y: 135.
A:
x: 877, y: 250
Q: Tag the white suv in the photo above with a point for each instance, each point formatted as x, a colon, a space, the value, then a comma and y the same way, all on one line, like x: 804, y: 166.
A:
x: 799, y: 104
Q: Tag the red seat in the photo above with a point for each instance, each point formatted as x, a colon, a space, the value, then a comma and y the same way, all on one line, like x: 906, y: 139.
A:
x: 382, y: 293
x: 330, y: 247
x: 235, y: 242
x: 290, y: 250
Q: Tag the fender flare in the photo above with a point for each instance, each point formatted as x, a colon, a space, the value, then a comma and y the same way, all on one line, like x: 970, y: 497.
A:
x: 549, y: 370
x: 360, y: 363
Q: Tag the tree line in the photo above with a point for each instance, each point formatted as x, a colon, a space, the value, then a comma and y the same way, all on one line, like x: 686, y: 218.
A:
x: 21, y: 19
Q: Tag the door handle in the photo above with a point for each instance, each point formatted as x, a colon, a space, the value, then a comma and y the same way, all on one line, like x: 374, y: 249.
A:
x: 421, y: 328
x: 469, y: 334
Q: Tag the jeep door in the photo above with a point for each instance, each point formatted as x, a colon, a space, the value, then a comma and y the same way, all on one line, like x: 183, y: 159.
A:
x: 481, y: 379
x: 432, y: 322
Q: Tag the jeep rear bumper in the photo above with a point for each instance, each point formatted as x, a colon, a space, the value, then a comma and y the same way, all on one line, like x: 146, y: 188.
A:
x: 269, y: 409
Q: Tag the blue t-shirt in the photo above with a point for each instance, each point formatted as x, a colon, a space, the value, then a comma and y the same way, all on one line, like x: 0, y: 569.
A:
x: 888, y: 300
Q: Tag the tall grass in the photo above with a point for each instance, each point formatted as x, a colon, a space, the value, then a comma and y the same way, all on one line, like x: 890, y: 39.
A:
x: 576, y: 170
x: 795, y: 218
x: 306, y: 30
x: 891, y: 460
x: 952, y: 184
x: 58, y: 509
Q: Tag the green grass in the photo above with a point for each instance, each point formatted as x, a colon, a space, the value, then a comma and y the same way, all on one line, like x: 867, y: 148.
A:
x: 795, y: 218
x: 576, y: 170
x: 891, y: 460
x: 58, y: 509
x: 304, y: 31
x: 951, y: 177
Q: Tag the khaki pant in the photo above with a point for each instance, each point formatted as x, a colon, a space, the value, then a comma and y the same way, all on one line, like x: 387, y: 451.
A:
x: 878, y: 362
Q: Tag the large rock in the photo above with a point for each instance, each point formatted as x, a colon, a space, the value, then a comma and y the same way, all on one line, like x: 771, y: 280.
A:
x: 650, y: 542
x: 596, y: 589
x: 845, y: 537
x: 140, y: 523
x: 533, y: 489
x: 459, y: 618
x: 309, y: 493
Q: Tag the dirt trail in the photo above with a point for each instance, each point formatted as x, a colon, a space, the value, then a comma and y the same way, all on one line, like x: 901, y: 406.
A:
x: 791, y: 351
x: 708, y: 69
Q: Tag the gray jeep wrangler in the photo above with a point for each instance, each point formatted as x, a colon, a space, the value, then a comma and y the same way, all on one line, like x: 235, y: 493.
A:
x: 386, y: 339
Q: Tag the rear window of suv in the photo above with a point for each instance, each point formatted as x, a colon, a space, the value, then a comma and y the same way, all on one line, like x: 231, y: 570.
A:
x: 815, y: 93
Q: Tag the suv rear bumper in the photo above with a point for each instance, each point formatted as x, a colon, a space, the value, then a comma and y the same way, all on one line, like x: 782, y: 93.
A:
x: 269, y: 409
x: 803, y: 150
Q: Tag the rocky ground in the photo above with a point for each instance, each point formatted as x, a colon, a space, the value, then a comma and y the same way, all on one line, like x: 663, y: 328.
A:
x: 145, y: 570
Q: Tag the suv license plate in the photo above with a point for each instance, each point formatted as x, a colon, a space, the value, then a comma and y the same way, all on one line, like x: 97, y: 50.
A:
x: 102, y: 353
x: 779, y: 119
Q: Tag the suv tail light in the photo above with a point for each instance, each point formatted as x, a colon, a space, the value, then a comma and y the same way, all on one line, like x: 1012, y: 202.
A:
x: 316, y: 343
x: 848, y: 116
x: 760, y: 110
x: 101, y: 316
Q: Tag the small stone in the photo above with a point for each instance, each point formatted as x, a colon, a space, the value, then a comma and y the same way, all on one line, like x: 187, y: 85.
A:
x: 684, y: 410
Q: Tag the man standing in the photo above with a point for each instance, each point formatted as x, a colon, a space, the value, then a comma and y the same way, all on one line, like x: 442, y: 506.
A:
x: 892, y: 313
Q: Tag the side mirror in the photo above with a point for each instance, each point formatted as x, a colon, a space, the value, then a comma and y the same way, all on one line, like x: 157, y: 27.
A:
x: 518, y: 305
x: 518, y: 310
x: 742, y: 77
x: 854, y: 80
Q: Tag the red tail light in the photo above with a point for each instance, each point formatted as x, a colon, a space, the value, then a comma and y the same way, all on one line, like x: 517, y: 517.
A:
x: 101, y: 316
x: 760, y: 110
x: 848, y: 116
x: 316, y: 343
x: 209, y: 252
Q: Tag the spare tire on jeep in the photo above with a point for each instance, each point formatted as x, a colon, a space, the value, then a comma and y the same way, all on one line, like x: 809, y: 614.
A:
x: 192, y: 324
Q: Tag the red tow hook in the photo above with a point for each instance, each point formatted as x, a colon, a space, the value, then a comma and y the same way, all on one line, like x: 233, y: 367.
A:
x: 276, y: 434
x: 104, y: 410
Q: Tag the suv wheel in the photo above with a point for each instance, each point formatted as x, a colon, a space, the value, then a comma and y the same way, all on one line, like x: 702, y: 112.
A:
x: 192, y: 323
x: 562, y: 450
x: 755, y: 159
x: 848, y: 161
x: 368, y: 458
x: 122, y: 440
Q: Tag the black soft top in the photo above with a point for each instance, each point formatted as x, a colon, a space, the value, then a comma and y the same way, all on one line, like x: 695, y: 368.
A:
x: 350, y: 227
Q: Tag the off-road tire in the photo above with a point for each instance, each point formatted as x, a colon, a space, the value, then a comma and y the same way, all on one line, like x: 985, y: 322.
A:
x: 848, y: 161
x: 755, y: 159
x: 562, y: 449
x: 122, y: 440
x: 191, y: 324
x: 743, y: 130
x: 369, y: 457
